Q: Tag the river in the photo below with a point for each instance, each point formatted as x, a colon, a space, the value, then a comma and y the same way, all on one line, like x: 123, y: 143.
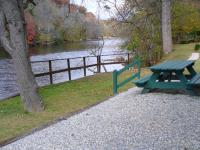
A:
x: 8, y: 85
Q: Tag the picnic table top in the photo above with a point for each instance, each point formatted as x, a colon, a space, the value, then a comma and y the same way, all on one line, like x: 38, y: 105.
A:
x: 172, y: 65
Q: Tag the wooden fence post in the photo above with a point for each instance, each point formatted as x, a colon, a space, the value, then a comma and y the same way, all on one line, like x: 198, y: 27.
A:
x: 99, y: 64
x: 50, y: 72
x: 128, y: 58
x: 69, y: 69
x: 84, y: 66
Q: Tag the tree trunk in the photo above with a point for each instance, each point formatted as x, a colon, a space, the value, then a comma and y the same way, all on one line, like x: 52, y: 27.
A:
x: 16, y: 45
x: 166, y: 26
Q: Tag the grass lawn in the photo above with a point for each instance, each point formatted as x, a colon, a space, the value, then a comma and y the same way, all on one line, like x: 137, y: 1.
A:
x: 182, y: 52
x: 59, y: 100
x: 62, y: 99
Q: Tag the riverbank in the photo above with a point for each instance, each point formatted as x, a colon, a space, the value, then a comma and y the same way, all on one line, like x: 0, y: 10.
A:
x: 8, y: 86
x: 60, y: 101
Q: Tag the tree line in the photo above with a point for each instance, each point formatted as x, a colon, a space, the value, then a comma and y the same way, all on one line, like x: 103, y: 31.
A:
x: 58, y: 21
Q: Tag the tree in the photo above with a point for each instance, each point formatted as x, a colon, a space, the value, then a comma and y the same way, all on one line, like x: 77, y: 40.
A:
x: 13, y: 38
x: 147, y: 16
x: 185, y: 21
x: 166, y: 26
x: 142, y: 20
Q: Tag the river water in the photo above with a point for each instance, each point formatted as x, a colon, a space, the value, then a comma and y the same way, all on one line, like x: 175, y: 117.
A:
x: 8, y: 85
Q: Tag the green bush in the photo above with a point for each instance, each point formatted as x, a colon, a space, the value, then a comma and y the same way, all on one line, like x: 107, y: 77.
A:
x: 197, y: 47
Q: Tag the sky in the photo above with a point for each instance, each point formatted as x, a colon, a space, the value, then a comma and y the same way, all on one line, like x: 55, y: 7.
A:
x: 92, y: 6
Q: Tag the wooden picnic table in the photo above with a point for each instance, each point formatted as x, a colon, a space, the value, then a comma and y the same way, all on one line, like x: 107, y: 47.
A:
x: 171, y: 75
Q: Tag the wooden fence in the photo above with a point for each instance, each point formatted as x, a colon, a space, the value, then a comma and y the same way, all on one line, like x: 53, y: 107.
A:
x: 99, y: 63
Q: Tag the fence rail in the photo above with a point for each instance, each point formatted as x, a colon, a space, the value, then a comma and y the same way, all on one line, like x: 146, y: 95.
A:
x: 99, y: 63
x: 116, y: 74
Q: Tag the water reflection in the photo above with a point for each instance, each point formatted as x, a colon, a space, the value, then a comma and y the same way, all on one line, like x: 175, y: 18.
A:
x: 8, y: 84
x: 63, y: 47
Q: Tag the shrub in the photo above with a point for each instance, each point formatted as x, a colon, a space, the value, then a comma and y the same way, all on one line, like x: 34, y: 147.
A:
x: 197, y: 47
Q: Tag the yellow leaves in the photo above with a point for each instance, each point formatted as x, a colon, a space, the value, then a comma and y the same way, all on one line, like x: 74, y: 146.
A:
x: 186, y: 17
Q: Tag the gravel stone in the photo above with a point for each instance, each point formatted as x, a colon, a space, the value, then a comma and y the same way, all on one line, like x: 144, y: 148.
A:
x: 130, y: 120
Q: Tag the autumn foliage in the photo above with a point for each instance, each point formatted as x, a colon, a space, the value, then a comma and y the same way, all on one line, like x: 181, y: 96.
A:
x: 61, y: 2
x: 59, y: 20
x: 30, y: 27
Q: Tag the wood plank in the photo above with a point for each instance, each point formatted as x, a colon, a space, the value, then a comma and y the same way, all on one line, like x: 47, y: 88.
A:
x: 142, y: 81
x: 191, y: 70
x: 172, y: 65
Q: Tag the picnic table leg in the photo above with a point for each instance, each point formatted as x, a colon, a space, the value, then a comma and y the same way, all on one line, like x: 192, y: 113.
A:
x: 170, y: 77
x: 160, y: 78
x: 183, y: 80
x: 181, y: 77
x: 191, y: 71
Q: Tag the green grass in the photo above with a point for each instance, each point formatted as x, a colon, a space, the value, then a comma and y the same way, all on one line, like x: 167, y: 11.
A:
x: 183, y: 52
x: 59, y: 100
x: 62, y: 99
x: 180, y: 51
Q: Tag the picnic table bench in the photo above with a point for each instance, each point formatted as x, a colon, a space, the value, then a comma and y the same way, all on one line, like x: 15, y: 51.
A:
x: 171, y: 75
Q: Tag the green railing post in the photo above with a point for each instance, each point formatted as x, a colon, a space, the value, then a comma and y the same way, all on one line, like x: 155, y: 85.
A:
x: 139, y: 68
x: 116, y: 73
x: 115, y: 82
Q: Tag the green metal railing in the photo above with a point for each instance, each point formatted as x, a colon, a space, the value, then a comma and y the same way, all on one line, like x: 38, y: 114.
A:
x: 116, y: 74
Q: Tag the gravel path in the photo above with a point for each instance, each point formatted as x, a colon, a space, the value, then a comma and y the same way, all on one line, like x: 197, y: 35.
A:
x: 128, y: 121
